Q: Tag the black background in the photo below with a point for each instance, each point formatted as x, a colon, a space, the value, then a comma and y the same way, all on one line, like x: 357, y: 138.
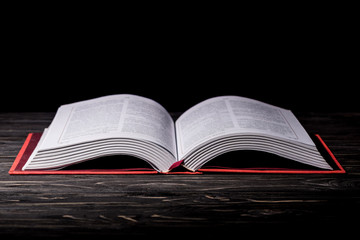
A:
x: 302, y: 61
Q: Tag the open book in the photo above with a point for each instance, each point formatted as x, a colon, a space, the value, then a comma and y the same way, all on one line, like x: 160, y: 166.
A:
x: 136, y: 126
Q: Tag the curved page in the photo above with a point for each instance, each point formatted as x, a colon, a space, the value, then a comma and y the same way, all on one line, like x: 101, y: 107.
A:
x: 112, y: 117
x: 238, y: 116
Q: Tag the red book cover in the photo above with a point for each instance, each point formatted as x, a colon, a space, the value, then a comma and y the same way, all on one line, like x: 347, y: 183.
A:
x: 33, y: 139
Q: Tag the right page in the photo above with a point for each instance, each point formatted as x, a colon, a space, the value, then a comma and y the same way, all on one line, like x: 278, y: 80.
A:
x: 230, y: 123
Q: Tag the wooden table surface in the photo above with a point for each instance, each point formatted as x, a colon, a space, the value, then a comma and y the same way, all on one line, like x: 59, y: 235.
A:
x: 174, y: 205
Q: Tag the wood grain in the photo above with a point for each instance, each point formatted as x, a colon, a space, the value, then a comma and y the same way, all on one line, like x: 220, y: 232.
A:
x: 209, y: 204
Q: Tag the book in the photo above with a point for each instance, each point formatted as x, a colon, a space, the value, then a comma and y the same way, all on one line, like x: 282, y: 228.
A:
x: 130, y: 125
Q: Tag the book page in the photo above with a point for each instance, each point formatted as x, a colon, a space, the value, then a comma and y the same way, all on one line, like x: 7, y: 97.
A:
x: 228, y: 115
x: 115, y: 116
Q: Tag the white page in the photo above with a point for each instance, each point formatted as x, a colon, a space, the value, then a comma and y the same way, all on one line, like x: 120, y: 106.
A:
x: 235, y: 115
x: 268, y: 119
x: 115, y: 116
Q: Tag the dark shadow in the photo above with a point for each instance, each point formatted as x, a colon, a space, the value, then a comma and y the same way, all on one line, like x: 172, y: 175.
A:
x: 111, y: 162
x: 255, y: 160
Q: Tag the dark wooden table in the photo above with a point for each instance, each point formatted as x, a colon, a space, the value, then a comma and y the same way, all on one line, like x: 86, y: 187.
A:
x: 175, y: 205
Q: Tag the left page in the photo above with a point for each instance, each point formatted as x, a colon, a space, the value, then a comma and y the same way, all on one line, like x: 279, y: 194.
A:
x: 115, y: 116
